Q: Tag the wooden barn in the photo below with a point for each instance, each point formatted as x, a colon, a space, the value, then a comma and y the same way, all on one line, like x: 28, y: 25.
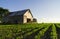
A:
x: 23, y: 16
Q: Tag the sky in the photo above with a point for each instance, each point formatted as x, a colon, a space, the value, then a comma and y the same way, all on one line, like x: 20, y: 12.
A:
x: 43, y: 10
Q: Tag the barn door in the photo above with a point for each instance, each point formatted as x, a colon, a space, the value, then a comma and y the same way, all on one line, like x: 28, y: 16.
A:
x: 28, y: 20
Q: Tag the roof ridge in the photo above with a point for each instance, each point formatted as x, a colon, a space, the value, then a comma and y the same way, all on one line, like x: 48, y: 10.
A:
x: 20, y: 10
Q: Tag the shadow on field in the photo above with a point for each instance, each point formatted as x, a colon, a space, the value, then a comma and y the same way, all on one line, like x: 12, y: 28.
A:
x: 47, y: 33
x: 58, y: 31
x: 33, y: 34
x: 25, y: 32
x: 18, y: 34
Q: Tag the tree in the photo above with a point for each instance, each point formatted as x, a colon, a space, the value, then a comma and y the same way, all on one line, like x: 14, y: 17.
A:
x: 3, y: 12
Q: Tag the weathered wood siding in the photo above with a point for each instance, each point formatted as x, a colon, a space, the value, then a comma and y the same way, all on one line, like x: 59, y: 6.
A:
x: 14, y: 19
x: 18, y: 19
x: 27, y: 15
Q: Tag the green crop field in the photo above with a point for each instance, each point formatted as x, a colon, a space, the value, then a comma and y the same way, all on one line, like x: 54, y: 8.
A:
x: 30, y: 31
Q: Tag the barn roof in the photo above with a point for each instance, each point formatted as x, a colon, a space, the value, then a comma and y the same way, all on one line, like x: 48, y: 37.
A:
x: 22, y: 12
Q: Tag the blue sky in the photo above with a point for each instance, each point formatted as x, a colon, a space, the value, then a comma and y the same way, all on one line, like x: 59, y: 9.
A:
x: 43, y: 10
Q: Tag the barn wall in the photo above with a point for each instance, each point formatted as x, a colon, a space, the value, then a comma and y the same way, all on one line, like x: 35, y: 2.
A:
x: 24, y: 19
x: 15, y: 19
x: 19, y: 19
x: 27, y: 15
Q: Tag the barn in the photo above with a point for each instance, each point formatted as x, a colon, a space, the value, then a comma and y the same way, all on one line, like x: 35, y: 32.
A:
x: 22, y: 16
